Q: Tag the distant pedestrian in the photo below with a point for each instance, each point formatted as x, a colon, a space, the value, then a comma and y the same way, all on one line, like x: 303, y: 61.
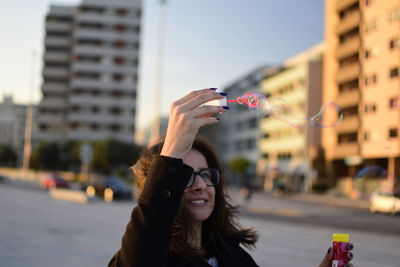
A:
x: 183, y: 216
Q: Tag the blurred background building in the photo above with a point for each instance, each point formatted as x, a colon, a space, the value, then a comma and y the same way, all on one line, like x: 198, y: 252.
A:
x: 90, y: 72
x: 12, y: 126
x: 288, y: 146
x: 361, y: 74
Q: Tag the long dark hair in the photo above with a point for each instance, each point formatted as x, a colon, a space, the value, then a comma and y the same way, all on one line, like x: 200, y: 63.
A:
x: 221, y: 229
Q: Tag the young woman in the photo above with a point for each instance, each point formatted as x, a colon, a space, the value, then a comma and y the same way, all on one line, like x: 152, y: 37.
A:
x: 183, y: 217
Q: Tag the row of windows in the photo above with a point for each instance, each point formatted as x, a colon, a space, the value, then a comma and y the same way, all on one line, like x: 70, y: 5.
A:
x: 393, y: 16
x: 121, y: 28
x: 394, y: 43
x: 100, y: 43
x: 289, y: 87
x: 116, y: 77
x: 114, y: 127
x: 115, y: 110
x: 393, y: 103
x: 118, y: 60
x: 352, y: 137
x: 114, y: 93
x: 121, y: 12
x: 372, y: 79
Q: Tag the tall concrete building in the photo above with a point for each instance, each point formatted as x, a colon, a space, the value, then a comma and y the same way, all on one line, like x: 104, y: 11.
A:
x: 289, y: 148
x: 361, y: 74
x: 90, y: 71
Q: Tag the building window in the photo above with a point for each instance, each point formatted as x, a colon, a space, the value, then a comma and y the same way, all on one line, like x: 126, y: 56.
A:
x: 119, y: 60
x: 371, y: 26
x: 371, y: 80
x: 368, y: 108
x: 266, y: 135
x: 265, y: 155
x: 348, y: 35
x: 115, y: 127
x: 117, y: 77
x: 251, y: 144
x: 94, y: 126
x: 119, y: 44
x: 348, y: 60
x: 367, y: 136
x: 95, y: 109
x: 350, y: 111
x: 43, y: 127
x: 394, y: 14
x: 253, y: 123
x: 394, y: 102
x: 121, y: 12
x: 393, y: 132
x: 120, y: 28
x: 115, y: 111
x: 348, y: 86
x: 394, y: 43
x: 368, y: 3
x: 394, y: 72
x: 347, y: 138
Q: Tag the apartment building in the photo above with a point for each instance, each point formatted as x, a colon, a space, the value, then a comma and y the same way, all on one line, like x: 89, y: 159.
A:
x: 289, y: 145
x: 361, y: 74
x: 238, y: 130
x: 90, y: 71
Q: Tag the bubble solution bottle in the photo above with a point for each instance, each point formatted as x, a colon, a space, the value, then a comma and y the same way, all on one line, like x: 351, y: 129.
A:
x: 340, y: 248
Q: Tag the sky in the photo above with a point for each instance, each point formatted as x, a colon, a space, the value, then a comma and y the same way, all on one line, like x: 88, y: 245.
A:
x: 208, y: 43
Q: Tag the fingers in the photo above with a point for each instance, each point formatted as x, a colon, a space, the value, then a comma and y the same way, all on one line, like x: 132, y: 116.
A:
x: 349, y: 256
x: 350, y: 246
x: 206, y: 111
x: 194, y: 94
x: 201, y: 99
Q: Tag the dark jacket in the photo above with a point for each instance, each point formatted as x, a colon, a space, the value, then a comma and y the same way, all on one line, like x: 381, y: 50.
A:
x: 148, y: 234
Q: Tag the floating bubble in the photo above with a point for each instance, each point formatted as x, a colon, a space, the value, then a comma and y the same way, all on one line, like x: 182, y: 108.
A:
x: 329, y: 115
x: 371, y: 172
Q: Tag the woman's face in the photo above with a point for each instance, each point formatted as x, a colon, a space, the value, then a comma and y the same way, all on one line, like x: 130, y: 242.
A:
x: 198, y: 199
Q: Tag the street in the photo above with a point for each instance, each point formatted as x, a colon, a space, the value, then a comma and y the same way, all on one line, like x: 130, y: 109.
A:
x: 37, y: 230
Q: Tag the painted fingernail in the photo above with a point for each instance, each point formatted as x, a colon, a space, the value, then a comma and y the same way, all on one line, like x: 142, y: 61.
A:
x: 226, y: 107
x: 351, y: 246
x: 329, y: 250
x: 213, y: 89
x: 217, y: 118
x: 222, y: 93
x: 350, y: 255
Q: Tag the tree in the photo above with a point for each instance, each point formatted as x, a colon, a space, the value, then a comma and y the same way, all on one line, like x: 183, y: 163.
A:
x: 239, y: 165
x: 8, y: 157
x: 46, y: 156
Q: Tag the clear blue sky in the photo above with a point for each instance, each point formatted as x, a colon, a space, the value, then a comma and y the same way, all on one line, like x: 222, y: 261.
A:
x: 209, y: 43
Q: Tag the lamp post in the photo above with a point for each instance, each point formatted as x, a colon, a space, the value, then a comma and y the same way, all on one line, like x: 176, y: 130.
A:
x: 155, y: 129
x: 29, y: 117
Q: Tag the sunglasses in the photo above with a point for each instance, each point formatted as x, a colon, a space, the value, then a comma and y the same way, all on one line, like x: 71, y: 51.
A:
x: 209, y: 176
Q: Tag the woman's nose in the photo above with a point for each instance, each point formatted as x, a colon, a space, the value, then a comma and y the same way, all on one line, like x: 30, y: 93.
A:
x: 199, y: 183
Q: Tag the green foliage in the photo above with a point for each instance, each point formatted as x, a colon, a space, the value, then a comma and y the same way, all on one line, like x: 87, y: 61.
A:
x: 46, y: 156
x: 8, y: 157
x: 239, y: 165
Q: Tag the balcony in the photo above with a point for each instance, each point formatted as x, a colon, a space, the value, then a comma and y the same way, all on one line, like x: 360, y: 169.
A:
x: 348, y: 73
x: 102, y: 50
x: 342, y: 4
x: 106, y: 35
x: 101, y: 101
x: 351, y: 21
x: 58, y: 26
x: 56, y: 57
x: 345, y: 150
x: 108, y: 19
x: 54, y: 102
x: 93, y: 67
x: 53, y: 87
x: 348, y: 98
x: 56, y: 72
x: 349, y: 47
x: 85, y: 83
x: 349, y: 124
x: 58, y: 41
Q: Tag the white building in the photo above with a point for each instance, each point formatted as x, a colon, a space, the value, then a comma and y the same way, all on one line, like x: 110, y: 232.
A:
x: 90, y: 71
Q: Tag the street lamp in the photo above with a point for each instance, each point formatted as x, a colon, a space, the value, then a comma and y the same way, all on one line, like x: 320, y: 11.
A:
x: 155, y: 129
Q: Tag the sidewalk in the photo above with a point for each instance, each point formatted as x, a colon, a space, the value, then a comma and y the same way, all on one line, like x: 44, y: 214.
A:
x: 259, y: 197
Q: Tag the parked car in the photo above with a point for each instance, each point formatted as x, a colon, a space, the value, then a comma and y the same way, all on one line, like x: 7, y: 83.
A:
x: 53, y: 180
x: 109, y: 189
x: 387, y: 202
